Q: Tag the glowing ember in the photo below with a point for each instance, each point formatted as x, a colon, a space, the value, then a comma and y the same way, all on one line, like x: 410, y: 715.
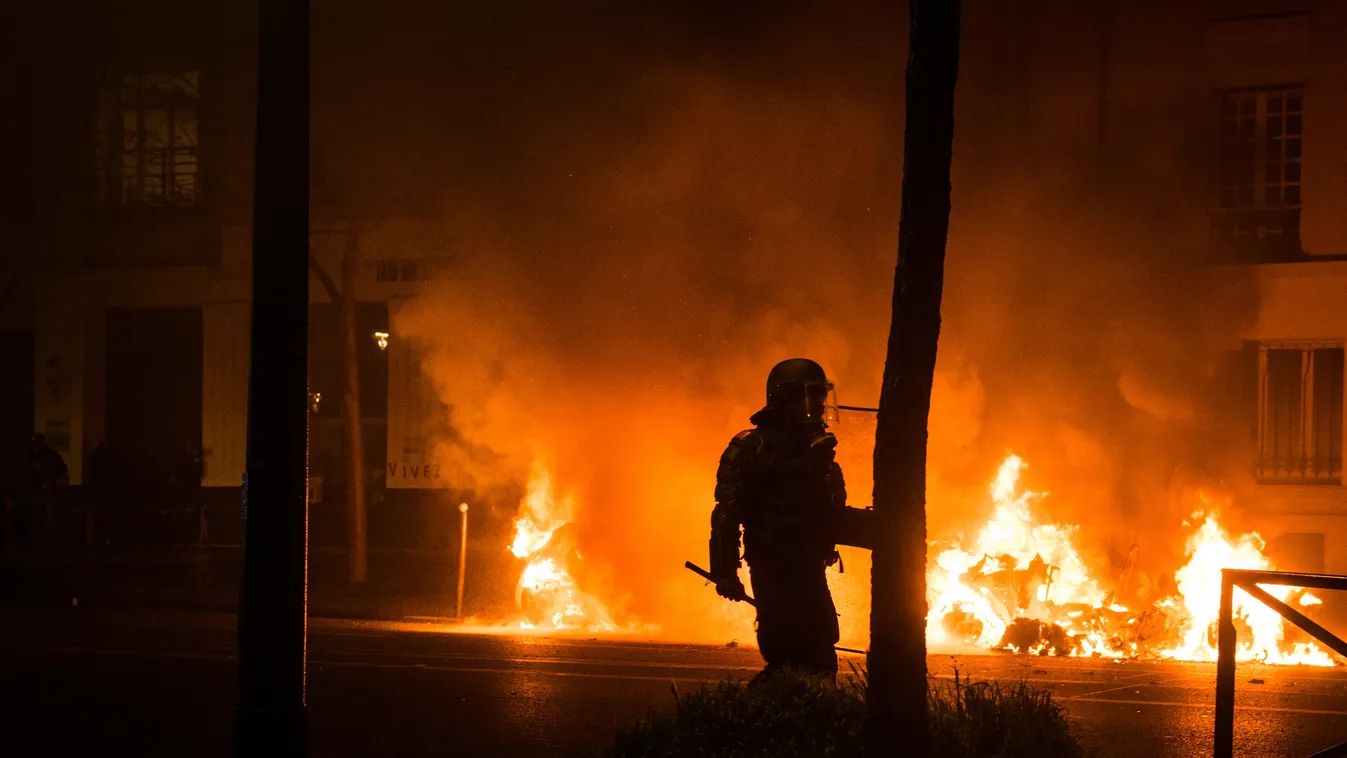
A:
x: 1261, y: 629
x: 547, y: 593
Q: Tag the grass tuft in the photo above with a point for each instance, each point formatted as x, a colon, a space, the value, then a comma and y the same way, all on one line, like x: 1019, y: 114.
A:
x: 799, y: 716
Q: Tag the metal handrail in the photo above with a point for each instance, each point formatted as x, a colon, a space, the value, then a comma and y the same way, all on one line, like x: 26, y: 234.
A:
x: 1248, y: 580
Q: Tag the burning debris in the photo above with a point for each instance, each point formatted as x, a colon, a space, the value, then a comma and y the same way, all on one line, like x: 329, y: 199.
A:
x: 549, y: 594
x: 1017, y: 569
x: 1020, y: 586
x: 1024, y: 588
x: 1261, y: 630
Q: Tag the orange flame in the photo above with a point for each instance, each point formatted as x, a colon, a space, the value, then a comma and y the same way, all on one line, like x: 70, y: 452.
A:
x: 547, y: 593
x: 1019, y: 569
x: 1211, y: 549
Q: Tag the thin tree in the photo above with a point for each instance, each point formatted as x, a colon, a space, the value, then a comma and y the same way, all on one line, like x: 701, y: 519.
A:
x: 345, y: 299
x: 897, y: 658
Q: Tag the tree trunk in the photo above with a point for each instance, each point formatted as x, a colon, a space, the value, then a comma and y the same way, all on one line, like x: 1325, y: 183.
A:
x: 355, y: 447
x: 272, y: 717
x: 897, y: 658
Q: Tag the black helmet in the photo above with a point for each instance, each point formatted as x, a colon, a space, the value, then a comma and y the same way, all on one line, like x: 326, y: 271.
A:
x: 798, y: 390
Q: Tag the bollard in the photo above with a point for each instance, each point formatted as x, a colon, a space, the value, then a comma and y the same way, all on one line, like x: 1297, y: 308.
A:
x: 462, y: 556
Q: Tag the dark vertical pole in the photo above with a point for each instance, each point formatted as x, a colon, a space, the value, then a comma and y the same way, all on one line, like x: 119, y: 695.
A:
x: 357, y: 562
x: 1224, y: 742
x: 272, y: 717
x: 896, y: 700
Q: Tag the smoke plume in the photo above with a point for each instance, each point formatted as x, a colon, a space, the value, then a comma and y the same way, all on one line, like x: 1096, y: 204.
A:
x: 628, y: 281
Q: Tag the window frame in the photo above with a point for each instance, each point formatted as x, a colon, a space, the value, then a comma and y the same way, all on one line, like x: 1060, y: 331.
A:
x: 1255, y: 220
x: 1262, y: 138
x: 1268, y: 468
x: 121, y: 158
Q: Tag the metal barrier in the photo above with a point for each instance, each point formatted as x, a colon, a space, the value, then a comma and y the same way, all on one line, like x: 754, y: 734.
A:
x: 1248, y: 580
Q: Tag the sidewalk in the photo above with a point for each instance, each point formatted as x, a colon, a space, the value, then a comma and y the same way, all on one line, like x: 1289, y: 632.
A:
x: 402, y: 583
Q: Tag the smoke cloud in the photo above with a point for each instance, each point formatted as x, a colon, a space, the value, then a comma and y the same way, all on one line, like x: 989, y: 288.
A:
x: 628, y: 281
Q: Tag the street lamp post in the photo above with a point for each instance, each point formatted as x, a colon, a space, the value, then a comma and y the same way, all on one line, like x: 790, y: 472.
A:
x: 462, y: 555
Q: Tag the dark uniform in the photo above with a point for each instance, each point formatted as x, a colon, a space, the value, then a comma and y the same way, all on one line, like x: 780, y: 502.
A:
x: 779, y: 482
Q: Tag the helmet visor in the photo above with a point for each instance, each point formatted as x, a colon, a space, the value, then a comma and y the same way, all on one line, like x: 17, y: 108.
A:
x: 804, y: 402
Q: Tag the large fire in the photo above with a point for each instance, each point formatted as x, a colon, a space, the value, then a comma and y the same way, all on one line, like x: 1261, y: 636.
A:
x: 1261, y: 630
x: 548, y: 594
x: 1015, y: 569
x: 1022, y: 585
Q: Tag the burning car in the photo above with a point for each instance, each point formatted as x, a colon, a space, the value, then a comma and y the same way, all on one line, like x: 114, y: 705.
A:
x: 1023, y: 587
x: 551, y: 591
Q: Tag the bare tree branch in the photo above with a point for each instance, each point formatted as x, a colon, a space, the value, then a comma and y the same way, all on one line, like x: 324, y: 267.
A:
x: 324, y: 278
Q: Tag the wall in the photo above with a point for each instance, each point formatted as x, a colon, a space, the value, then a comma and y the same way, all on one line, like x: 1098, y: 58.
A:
x: 1306, y: 301
x: 59, y: 366
x: 224, y: 400
x: 1323, y: 224
x: 70, y: 327
x: 412, y: 407
x: 1302, y: 301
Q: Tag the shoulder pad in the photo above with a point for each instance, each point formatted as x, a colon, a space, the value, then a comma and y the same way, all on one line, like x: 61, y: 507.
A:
x: 748, y: 438
x: 745, y: 443
x: 823, y: 441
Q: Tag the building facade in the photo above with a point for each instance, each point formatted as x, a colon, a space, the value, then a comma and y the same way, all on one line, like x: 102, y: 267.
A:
x: 142, y: 228
x: 128, y: 268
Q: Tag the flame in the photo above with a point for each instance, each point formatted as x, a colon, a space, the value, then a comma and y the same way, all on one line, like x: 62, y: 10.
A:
x: 1022, y: 584
x: 1261, y: 629
x: 548, y: 593
x: 1016, y: 568
x: 541, y: 513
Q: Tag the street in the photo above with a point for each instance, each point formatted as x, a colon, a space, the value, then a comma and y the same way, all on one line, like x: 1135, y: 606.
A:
x: 115, y: 682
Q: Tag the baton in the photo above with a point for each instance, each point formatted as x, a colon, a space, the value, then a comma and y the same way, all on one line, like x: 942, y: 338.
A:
x: 703, y: 573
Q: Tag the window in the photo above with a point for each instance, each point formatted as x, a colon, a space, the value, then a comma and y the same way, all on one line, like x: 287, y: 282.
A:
x: 1300, y: 413
x: 1260, y: 153
x: 158, y: 139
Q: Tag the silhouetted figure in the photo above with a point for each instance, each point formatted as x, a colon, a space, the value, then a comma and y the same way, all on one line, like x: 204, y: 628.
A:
x: 781, y: 484
x: 46, y: 473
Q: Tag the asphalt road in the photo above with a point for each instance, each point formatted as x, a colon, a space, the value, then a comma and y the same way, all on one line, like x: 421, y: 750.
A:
x: 79, y: 682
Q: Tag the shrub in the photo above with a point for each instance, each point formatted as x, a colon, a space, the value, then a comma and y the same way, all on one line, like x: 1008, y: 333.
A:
x: 977, y: 719
x: 800, y: 716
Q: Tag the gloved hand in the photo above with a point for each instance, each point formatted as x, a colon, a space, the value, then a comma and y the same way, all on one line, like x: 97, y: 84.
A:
x: 731, y: 588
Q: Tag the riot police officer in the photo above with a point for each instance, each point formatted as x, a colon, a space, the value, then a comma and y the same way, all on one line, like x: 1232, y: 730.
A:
x: 780, y: 484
